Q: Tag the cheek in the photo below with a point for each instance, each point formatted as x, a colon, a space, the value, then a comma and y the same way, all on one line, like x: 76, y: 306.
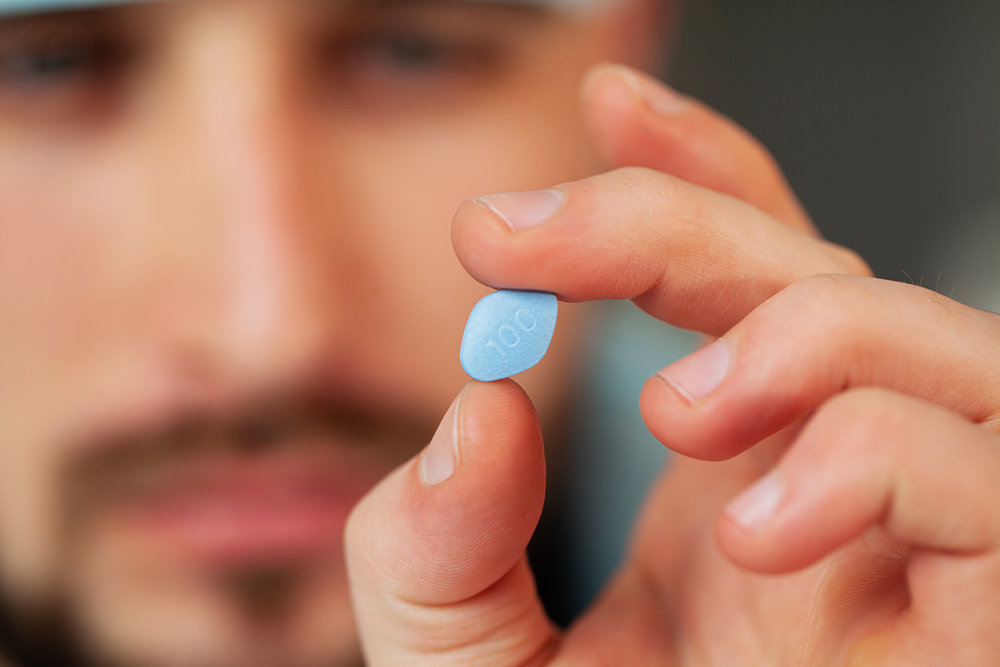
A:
x: 38, y: 266
x: 58, y: 281
x: 67, y: 257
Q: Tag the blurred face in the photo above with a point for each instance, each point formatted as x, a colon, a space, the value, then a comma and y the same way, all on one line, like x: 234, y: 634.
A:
x: 228, y: 299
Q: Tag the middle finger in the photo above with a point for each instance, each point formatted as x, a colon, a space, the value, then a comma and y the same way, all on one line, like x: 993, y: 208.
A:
x: 818, y: 338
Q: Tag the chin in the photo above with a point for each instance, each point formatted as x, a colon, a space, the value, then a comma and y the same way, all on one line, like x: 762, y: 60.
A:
x: 135, y: 602
x: 235, y: 561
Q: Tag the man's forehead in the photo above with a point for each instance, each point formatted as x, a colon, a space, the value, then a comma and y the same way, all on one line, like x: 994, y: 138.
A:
x: 22, y: 7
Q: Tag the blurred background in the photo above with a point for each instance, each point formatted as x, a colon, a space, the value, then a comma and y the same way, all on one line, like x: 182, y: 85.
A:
x: 885, y: 116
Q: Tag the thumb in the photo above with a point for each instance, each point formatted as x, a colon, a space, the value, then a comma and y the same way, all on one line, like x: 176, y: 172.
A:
x: 435, y: 553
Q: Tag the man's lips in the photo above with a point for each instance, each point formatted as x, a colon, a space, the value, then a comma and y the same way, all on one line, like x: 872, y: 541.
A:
x: 246, y: 514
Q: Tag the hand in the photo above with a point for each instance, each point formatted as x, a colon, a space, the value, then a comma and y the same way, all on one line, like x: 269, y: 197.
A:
x: 899, y: 546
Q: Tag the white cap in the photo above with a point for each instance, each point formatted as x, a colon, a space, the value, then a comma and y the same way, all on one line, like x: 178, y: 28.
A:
x: 16, y: 7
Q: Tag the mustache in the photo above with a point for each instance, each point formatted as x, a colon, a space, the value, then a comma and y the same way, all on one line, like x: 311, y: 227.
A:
x: 390, y: 432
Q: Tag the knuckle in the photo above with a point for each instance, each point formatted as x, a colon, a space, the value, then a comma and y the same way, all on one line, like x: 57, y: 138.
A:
x: 641, y: 191
x: 639, y: 174
x: 655, y: 187
x: 825, y: 305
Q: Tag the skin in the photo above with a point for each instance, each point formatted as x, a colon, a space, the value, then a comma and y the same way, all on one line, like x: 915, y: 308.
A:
x: 225, y: 260
x: 836, y: 499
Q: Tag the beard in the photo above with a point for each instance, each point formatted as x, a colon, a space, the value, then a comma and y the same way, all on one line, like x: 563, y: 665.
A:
x: 244, y: 558
x: 36, y: 637
x: 48, y: 636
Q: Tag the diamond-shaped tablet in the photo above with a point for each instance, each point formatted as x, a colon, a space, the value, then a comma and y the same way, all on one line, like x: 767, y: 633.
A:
x: 508, y: 332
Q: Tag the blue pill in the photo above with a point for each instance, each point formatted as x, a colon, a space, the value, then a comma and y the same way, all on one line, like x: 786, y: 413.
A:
x: 508, y: 332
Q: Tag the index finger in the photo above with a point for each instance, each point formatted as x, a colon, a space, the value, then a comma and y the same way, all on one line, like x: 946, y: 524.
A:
x: 689, y: 256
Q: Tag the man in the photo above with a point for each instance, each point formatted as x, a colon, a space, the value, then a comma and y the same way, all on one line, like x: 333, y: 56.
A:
x: 229, y: 299
x: 230, y: 305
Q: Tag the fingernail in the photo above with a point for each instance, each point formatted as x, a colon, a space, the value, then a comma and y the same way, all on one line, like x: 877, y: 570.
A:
x: 658, y: 96
x: 441, y: 455
x: 697, y: 374
x: 523, y: 210
x: 756, y: 506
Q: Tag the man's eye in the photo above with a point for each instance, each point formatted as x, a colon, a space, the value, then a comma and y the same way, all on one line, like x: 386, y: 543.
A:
x: 70, y: 54
x: 71, y: 75
x: 45, y: 66
x: 404, y: 63
x: 415, y: 54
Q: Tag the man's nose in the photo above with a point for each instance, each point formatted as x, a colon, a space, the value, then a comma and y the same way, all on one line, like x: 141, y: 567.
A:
x: 262, y: 300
